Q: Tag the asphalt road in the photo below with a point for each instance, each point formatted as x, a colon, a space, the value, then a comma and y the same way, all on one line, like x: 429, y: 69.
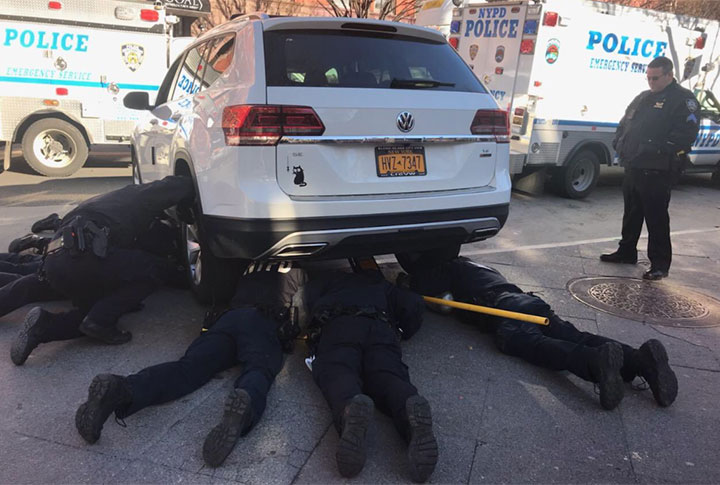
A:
x: 498, y: 420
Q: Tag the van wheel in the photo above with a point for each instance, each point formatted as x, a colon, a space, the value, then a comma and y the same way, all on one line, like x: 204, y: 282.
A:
x: 579, y: 176
x: 211, y: 279
x: 414, y: 260
x: 54, y: 147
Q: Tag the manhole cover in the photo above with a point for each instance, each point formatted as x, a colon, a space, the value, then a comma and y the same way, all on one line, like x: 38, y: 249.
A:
x: 649, y: 302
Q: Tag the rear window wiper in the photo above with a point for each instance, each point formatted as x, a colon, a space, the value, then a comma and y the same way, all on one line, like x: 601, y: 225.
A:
x: 417, y: 83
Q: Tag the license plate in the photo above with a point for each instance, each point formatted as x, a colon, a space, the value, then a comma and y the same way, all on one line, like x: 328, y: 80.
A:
x: 397, y: 161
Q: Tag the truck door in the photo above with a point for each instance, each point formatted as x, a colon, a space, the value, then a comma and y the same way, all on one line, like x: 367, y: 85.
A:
x: 490, y: 42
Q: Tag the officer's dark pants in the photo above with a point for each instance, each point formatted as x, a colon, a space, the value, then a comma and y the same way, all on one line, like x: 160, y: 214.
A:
x: 360, y: 355
x: 18, y: 290
x: 558, y: 346
x: 104, y: 288
x: 22, y: 264
x: 244, y: 336
x: 646, y: 195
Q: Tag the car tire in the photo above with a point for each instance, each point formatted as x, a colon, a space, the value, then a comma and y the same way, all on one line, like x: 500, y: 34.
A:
x: 212, y: 280
x: 413, y: 260
x: 579, y: 175
x: 54, y: 147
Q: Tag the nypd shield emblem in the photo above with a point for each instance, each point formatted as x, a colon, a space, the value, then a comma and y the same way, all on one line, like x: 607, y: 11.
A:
x: 473, y: 51
x: 133, y: 56
x: 692, y: 105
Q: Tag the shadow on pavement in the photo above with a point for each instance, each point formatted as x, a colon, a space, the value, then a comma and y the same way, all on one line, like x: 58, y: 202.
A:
x: 58, y: 191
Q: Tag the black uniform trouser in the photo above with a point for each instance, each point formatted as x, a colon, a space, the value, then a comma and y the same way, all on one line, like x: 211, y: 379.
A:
x: 20, y: 290
x: 22, y: 264
x: 558, y: 346
x: 360, y: 355
x: 646, y: 195
x: 243, y: 336
x: 104, y: 289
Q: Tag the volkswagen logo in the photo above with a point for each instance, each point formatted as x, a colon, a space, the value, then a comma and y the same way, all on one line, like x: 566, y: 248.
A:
x: 405, y: 121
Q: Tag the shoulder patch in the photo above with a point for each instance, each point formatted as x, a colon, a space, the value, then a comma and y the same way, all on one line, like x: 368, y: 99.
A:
x: 691, y: 104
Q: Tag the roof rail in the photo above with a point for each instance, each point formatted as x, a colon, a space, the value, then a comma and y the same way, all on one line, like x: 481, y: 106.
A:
x: 251, y: 16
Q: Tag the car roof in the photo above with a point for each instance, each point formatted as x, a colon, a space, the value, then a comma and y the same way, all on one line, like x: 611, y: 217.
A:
x: 328, y: 23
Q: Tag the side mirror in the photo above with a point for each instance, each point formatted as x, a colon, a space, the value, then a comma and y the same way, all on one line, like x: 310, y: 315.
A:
x: 137, y: 100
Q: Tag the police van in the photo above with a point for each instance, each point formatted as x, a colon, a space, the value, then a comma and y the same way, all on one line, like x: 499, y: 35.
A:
x: 566, y: 71
x: 65, y: 67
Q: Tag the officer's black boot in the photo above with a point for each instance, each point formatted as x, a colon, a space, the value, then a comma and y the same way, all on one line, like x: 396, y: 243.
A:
x: 607, y: 370
x: 29, y: 241
x: 29, y: 337
x: 110, y: 335
x: 423, y: 447
x: 235, y: 423
x: 49, y: 223
x: 652, y: 364
x: 351, y: 454
x: 107, y: 394
x: 618, y: 257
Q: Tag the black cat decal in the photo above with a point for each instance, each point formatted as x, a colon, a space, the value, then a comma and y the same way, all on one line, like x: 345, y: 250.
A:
x: 299, y: 176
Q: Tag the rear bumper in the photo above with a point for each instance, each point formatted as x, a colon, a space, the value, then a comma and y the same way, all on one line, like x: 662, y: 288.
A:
x: 337, y: 237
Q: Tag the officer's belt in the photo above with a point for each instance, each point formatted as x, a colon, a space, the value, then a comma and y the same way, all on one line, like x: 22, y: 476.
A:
x: 78, y: 235
x: 325, y: 314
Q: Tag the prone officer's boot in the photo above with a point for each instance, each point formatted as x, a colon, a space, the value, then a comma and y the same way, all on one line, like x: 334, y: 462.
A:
x: 651, y: 363
x: 235, y: 423
x: 108, y: 334
x: 607, y: 371
x: 351, y: 455
x: 28, y: 241
x: 423, y: 447
x: 49, y: 223
x: 30, y: 335
x: 107, y: 394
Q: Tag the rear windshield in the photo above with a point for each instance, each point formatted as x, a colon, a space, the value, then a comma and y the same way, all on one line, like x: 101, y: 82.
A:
x: 320, y: 58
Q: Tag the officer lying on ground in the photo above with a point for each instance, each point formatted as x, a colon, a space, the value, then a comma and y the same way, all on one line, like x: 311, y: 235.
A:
x: 95, y: 260
x: 355, y: 328
x: 558, y: 346
x: 20, y: 282
x: 253, y: 333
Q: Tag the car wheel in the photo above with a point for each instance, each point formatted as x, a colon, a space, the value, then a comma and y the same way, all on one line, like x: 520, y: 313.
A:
x: 211, y: 279
x: 54, y: 147
x: 413, y: 260
x: 579, y: 176
x: 715, y: 178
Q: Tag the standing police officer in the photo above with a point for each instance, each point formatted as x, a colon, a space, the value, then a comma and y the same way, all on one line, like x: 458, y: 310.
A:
x: 652, y: 141
x: 95, y: 260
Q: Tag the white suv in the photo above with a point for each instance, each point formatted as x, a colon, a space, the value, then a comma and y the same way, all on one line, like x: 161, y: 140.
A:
x: 327, y: 137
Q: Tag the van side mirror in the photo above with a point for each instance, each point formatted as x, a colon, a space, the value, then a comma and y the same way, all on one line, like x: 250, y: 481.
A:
x: 137, y: 100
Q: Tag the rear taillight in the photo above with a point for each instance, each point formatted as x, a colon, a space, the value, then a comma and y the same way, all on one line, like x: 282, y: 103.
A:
x: 550, y: 19
x: 264, y: 125
x: 527, y: 46
x: 700, y: 41
x: 491, y: 122
x: 454, y: 41
x: 149, y: 15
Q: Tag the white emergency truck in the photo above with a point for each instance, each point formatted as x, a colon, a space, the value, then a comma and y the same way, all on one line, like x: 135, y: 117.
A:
x: 65, y: 67
x: 566, y: 71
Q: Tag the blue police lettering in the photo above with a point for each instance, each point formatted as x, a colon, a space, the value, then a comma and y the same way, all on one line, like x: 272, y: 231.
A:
x: 624, y: 45
x: 491, y: 23
x: 46, y: 40
x: 707, y: 139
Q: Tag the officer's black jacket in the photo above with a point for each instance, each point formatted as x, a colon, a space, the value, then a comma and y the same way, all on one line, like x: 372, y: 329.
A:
x: 268, y: 285
x: 656, y: 127
x: 129, y: 211
x: 337, y: 289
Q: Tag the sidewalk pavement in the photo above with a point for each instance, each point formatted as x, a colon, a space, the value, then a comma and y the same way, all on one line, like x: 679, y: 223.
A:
x: 497, y: 419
